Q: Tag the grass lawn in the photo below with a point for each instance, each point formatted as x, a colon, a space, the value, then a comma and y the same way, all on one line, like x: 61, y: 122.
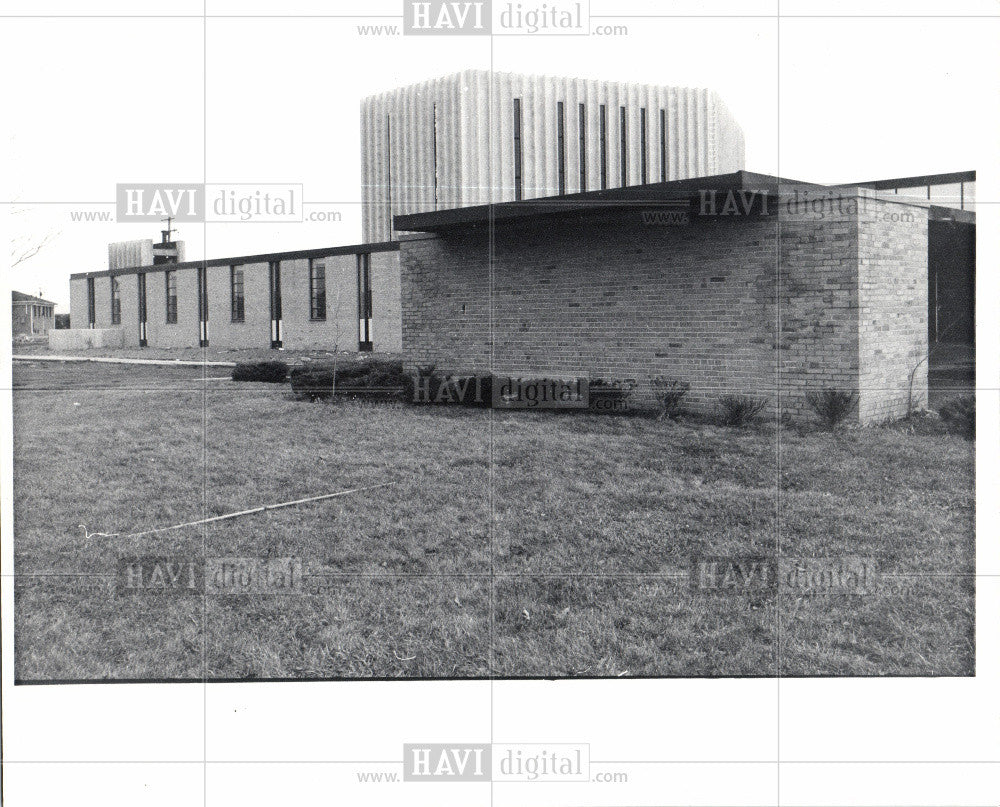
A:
x: 510, y: 543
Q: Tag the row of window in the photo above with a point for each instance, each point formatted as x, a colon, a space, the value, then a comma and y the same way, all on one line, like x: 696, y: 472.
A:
x: 317, y: 295
x: 582, y: 137
x: 40, y: 311
x: 237, y: 295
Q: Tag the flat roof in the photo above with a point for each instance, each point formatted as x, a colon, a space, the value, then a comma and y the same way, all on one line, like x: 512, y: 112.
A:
x: 641, y: 195
x: 914, y: 182
x: 321, y: 252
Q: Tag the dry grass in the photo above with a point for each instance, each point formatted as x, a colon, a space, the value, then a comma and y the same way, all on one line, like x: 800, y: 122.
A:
x: 511, y: 543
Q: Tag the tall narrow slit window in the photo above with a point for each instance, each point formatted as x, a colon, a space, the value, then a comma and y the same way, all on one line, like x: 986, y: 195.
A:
x: 583, y: 147
x: 170, y: 280
x: 604, y: 147
x: 91, y: 304
x: 364, y: 302
x: 623, y: 126
x: 317, y: 289
x: 236, y: 299
x: 388, y: 174
x: 434, y: 151
x: 518, y: 153
x: 663, y: 145
x: 116, y: 302
x: 643, y: 146
x: 561, y: 145
x: 141, y: 278
x: 202, y: 280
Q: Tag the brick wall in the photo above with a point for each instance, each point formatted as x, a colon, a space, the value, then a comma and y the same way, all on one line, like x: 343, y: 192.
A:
x: 892, y: 290
x: 723, y: 303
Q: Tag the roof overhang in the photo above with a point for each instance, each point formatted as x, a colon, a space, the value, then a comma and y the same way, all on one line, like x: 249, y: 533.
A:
x: 740, y: 185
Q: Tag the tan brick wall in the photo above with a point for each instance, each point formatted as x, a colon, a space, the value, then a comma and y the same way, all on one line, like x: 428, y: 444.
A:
x: 892, y: 287
x: 746, y: 305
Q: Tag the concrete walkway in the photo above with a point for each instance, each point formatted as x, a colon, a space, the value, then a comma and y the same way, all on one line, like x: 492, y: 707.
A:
x: 109, y: 360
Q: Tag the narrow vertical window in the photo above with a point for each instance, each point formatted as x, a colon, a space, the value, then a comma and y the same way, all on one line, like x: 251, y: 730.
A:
x: 604, y: 146
x: 561, y: 145
x: 518, y: 154
x: 623, y: 126
x: 434, y: 151
x: 388, y: 175
x: 203, y: 306
x: 274, y: 284
x: 91, y: 304
x: 317, y: 289
x: 116, y: 302
x: 583, y: 147
x: 643, y: 144
x: 170, y: 281
x: 237, y: 308
x: 663, y: 145
x: 364, y: 302
x: 141, y: 283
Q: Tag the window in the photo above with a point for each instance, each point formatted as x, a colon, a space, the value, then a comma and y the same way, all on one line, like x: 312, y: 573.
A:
x: 663, y: 145
x: 116, y: 302
x: 203, y: 305
x: 604, y: 146
x: 171, y: 286
x: 583, y: 147
x: 91, y: 304
x: 561, y: 145
x: 518, y: 154
x: 434, y: 151
x: 317, y: 289
x: 274, y: 283
x: 364, y: 302
x: 643, y: 160
x: 236, y: 293
x: 623, y: 126
x: 142, y: 309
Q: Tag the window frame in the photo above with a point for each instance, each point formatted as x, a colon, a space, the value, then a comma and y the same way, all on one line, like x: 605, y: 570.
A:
x: 116, y: 301
x: 317, y: 265
x: 237, y: 313
x: 170, y: 301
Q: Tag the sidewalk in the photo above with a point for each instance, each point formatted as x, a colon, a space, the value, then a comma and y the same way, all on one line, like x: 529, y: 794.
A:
x: 108, y: 360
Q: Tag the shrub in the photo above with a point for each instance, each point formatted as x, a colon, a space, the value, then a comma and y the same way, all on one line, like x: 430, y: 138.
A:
x: 314, y: 383
x: 832, y: 405
x: 367, y: 378
x: 960, y: 413
x: 738, y: 410
x: 669, y: 393
x: 271, y: 372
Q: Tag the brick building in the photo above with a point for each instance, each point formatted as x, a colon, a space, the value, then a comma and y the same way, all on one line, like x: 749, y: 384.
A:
x: 738, y: 283
x: 31, y: 316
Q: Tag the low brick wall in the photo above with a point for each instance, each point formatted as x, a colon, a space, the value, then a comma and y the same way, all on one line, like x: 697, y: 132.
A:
x: 758, y: 304
x: 86, y: 338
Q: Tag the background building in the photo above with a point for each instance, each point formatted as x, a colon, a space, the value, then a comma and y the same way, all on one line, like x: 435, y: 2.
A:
x: 477, y: 137
x: 143, y: 252
x: 31, y: 316
x: 343, y: 297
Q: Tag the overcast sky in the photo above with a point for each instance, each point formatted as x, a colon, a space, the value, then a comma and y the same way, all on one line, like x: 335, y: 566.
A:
x: 94, y: 102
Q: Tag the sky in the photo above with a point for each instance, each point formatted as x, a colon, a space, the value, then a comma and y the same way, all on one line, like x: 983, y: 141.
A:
x: 97, y: 101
